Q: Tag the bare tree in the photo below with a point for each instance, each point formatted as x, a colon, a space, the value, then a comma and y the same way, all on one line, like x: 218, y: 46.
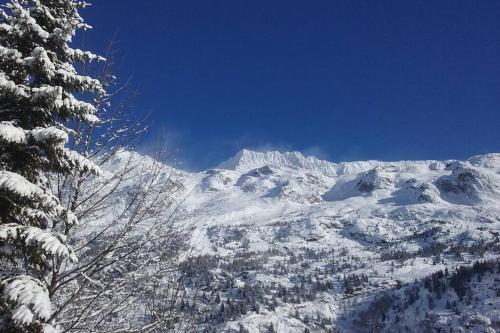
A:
x: 130, y: 244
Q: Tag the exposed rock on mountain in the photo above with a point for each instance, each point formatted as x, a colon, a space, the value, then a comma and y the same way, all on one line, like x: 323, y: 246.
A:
x: 467, y: 184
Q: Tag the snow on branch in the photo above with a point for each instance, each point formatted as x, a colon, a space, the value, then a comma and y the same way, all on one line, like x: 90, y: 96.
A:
x: 17, y: 184
x: 83, y: 56
x: 8, y: 53
x: 29, y: 23
x: 49, y: 133
x: 12, y: 134
x: 75, y: 160
x: 47, y: 241
x: 30, y: 299
x: 8, y: 86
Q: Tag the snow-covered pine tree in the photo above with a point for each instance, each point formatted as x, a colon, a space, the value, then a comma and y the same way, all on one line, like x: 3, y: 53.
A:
x: 41, y: 93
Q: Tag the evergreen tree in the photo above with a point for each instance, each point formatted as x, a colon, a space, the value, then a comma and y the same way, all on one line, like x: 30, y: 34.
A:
x: 41, y: 94
x: 242, y: 329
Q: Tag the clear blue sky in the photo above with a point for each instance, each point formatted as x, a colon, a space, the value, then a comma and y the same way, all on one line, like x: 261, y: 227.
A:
x: 346, y: 80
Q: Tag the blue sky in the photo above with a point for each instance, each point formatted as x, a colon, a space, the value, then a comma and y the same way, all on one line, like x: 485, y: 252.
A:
x: 345, y: 80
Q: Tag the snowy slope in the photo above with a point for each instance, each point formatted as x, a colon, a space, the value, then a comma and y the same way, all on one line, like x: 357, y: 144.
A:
x: 293, y: 242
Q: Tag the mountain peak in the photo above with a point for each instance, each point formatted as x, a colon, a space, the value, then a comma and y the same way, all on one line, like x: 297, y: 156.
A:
x: 247, y: 159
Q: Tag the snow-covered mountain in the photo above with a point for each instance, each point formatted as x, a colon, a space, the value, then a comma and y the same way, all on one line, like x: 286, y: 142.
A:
x: 292, y: 180
x: 294, y: 243
x: 246, y: 160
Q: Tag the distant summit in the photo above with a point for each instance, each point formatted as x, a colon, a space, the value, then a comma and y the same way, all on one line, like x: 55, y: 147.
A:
x: 246, y: 160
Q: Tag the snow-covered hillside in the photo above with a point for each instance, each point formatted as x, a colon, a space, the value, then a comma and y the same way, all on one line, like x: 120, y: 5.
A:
x: 293, y: 244
x: 363, y: 203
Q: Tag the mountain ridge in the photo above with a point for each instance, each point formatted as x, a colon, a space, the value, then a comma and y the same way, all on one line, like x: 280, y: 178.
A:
x: 247, y: 159
x: 286, y: 239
